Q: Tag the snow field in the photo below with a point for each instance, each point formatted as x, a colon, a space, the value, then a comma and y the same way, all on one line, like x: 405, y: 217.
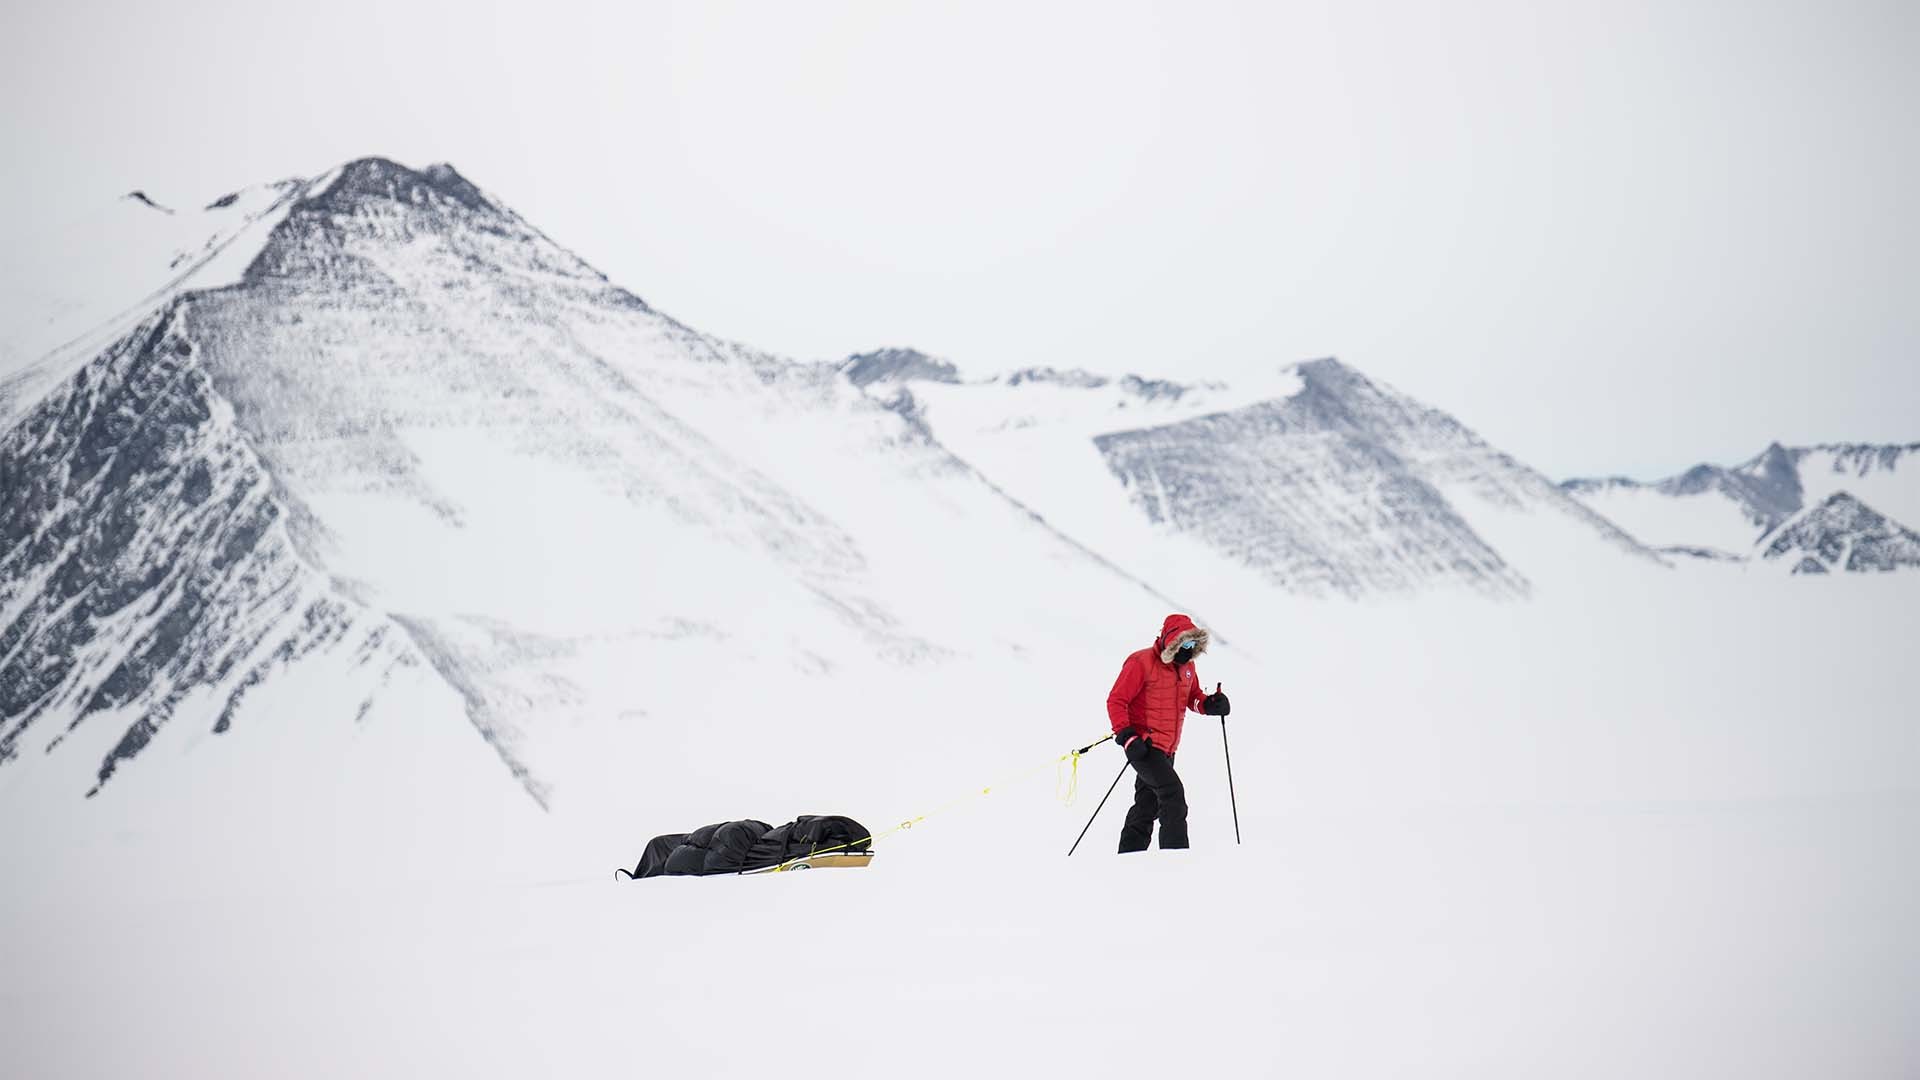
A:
x: 1593, y: 835
x: 1769, y: 944
x: 1706, y: 519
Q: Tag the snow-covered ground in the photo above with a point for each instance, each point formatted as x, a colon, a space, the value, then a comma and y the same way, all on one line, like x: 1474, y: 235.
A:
x: 1708, y: 519
x: 1627, y: 831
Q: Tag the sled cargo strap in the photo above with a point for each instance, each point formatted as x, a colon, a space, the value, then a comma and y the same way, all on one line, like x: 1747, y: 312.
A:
x: 1072, y: 785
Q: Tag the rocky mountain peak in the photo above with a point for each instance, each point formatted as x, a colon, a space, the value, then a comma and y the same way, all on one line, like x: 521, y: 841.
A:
x: 1073, y: 377
x: 1342, y: 486
x: 1776, y: 475
x: 1842, y: 533
x: 1588, y: 485
x: 1336, y: 397
x: 1864, y: 459
x: 378, y: 178
x: 1767, y: 488
x: 897, y: 365
x: 1327, y: 367
x: 392, y: 227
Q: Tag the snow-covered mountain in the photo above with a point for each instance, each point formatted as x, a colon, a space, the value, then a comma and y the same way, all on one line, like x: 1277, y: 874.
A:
x: 1721, y: 513
x: 376, y: 421
x: 1841, y: 533
x: 1315, y: 478
x: 417, y: 433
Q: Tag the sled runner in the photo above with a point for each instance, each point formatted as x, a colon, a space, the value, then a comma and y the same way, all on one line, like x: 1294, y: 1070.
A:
x: 826, y: 860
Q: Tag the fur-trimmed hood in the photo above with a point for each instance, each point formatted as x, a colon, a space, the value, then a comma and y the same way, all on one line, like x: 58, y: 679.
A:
x: 1177, y: 631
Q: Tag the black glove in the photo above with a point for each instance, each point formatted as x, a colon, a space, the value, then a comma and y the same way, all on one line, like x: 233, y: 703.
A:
x: 1216, y: 704
x: 1137, y: 749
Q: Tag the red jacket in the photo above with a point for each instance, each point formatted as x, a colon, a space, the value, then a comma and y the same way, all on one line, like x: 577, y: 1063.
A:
x: 1152, y: 695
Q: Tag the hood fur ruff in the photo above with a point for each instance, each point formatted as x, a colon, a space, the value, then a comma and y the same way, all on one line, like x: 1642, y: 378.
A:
x: 1197, y: 635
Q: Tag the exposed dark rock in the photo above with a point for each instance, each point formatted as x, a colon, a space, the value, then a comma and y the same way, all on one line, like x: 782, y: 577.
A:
x: 1590, y: 485
x: 1085, y: 380
x: 137, y: 541
x: 1153, y: 389
x: 1843, y: 533
x: 378, y: 178
x: 897, y: 365
x: 1769, y: 488
x: 1335, y: 488
x: 142, y: 198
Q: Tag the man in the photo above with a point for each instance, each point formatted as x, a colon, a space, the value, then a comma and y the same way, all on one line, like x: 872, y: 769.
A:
x: 1147, y: 707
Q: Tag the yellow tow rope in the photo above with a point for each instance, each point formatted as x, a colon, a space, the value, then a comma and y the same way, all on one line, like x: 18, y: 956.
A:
x: 1064, y: 789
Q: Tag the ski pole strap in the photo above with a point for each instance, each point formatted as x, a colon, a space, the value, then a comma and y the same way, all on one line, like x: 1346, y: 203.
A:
x: 1073, y: 777
x: 1065, y: 794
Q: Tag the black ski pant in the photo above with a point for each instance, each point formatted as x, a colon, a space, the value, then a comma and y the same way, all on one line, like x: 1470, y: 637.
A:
x: 1157, y: 792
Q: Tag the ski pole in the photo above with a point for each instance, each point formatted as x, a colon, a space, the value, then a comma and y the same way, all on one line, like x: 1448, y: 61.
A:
x: 1097, y: 809
x: 1228, y: 751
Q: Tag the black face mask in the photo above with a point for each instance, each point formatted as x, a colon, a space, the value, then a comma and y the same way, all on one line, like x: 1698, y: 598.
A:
x: 1185, y: 654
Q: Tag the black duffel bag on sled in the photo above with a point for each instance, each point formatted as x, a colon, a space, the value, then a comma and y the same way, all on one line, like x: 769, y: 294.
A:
x: 748, y: 846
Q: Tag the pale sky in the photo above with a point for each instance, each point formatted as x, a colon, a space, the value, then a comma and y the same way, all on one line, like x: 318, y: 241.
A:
x: 1619, y: 237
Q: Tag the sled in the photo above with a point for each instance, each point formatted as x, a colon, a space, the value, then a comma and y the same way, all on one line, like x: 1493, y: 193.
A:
x: 832, y: 858
x: 827, y: 860
x: 747, y: 846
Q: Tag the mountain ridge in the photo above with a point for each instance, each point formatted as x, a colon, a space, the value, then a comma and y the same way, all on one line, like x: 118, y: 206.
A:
x: 415, y: 430
x: 1731, y: 510
x: 210, y: 597
x: 1842, y: 533
x: 1299, y: 476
